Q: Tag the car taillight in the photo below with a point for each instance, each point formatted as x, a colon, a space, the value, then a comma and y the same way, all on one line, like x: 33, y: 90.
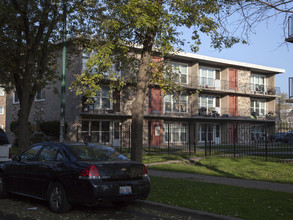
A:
x: 145, y: 170
x: 90, y: 173
x: 10, y: 153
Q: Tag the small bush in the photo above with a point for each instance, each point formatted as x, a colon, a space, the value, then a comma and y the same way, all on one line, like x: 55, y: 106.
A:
x: 51, y: 128
x: 14, y: 127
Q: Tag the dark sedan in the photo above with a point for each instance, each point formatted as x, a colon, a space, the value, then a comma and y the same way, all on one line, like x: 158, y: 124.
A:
x: 67, y: 174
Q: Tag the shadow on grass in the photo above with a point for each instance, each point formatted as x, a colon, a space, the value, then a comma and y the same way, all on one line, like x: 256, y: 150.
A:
x: 213, y: 168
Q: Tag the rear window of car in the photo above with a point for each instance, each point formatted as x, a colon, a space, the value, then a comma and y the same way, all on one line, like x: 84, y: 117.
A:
x: 95, y: 153
x: 3, y: 138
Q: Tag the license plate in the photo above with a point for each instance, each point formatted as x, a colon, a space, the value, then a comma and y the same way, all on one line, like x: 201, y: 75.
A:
x: 124, y: 190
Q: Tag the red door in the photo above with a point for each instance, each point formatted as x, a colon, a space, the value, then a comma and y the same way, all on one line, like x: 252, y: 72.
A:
x: 155, y: 102
x: 233, y: 106
x: 233, y: 79
x: 156, y: 133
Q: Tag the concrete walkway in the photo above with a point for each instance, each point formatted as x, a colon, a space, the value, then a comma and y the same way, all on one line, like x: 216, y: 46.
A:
x: 279, y: 187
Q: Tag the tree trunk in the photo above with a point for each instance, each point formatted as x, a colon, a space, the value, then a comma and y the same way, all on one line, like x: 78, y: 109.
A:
x: 23, y: 124
x: 141, y: 92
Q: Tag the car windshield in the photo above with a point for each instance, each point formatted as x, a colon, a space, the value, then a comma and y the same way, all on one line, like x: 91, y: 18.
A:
x: 95, y: 153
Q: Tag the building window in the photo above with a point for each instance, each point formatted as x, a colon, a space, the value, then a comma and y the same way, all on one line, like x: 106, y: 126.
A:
x: 2, y: 126
x: 112, y: 70
x: 258, y: 134
x: 259, y: 107
x: 178, y: 133
x: 209, y: 132
x: 1, y: 110
x: 40, y: 95
x: 172, y: 103
x: 257, y: 84
x: 15, y: 98
x: 207, y: 76
x: 1, y: 91
x: 96, y: 131
x: 209, y: 102
x: 102, y: 100
x: 181, y: 72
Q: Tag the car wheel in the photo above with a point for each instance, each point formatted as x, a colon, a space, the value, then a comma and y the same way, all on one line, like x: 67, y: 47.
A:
x: 3, y: 189
x: 57, y: 198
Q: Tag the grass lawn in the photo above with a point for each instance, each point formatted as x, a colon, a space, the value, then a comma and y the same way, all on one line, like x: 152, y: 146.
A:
x: 226, y: 200
x: 153, y: 158
x: 236, y: 168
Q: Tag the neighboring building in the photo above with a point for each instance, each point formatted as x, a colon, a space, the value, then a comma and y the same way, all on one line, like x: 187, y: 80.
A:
x: 2, y: 108
x: 223, y: 92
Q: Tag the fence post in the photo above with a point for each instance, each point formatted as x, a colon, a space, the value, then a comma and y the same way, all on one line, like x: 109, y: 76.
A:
x: 168, y: 138
x: 129, y: 139
x: 234, y: 138
x: 194, y: 138
x: 77, y: 129
x: 189, y: 144
x: 205, y: 140
x: 266, y: 139
x: 150, y: 136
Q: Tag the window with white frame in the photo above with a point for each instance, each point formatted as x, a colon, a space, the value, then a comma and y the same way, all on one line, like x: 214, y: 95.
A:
x: 257, y: 133
x: 1, y: 110
x: 257, y: 83
x: 178, y: 133
x: 40, y: 95
x: 207, y: 101
x: 258, y: 106
x: 113, y: 68
x: 207, y: 76
x: 1, y: 91
x: 102, y: 100
x: 209, y: 132
x: 15, y: 98
x: 181, y: 72
x: 173, y: 103
x: 97, y: 131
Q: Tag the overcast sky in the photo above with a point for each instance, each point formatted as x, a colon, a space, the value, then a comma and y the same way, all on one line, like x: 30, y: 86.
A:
x: 266, y: 48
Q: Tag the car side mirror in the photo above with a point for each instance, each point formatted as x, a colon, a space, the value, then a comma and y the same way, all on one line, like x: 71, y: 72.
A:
x: 15, y: 158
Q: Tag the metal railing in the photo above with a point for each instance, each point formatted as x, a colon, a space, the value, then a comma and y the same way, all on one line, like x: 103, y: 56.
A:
x: 268, y: 141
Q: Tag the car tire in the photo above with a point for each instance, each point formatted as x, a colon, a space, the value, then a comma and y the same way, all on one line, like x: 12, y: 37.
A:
x: 3, y: 189
x: 58, y: 202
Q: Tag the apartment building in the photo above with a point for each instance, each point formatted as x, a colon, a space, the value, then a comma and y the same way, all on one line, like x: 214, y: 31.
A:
x: 221, y: 95
x: 2, y: 108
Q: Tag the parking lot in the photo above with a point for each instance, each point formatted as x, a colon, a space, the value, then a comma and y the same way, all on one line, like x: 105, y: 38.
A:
x: 21, y: 208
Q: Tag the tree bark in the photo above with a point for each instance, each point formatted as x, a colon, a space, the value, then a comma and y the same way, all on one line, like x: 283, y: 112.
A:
x: 141, y: 92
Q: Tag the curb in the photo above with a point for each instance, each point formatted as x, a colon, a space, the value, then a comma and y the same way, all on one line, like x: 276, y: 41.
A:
x: 194, y: 214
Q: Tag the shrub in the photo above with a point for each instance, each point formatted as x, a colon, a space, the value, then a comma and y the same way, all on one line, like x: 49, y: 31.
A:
x: 51, y: 128
x: 14, y: 127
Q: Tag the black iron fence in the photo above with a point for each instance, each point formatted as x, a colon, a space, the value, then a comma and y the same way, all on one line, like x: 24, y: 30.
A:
x: 265, y: 140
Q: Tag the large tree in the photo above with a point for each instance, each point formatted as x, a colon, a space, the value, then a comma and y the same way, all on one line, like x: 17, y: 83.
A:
x: 151, y: 26
x: 30, y: 34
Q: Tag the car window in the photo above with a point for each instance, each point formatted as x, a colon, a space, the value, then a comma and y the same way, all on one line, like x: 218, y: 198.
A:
x: 95, y: 153
x: 48, y: 153
x: 3, y: 138
x: 30, y: 154
x: 59, y: 157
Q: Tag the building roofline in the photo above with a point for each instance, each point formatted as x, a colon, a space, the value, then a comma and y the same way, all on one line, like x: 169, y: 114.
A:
x: 209, y: 59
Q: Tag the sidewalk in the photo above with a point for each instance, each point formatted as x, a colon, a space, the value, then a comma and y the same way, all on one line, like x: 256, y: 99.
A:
x: 255, y: 184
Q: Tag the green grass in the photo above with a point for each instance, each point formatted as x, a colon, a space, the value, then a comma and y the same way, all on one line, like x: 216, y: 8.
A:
x: 153, y: 158
x: 236, y: 168
x: 222, y: 199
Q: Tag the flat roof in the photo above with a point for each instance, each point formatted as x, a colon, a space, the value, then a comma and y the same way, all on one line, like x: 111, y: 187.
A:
x: 217, y: 61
